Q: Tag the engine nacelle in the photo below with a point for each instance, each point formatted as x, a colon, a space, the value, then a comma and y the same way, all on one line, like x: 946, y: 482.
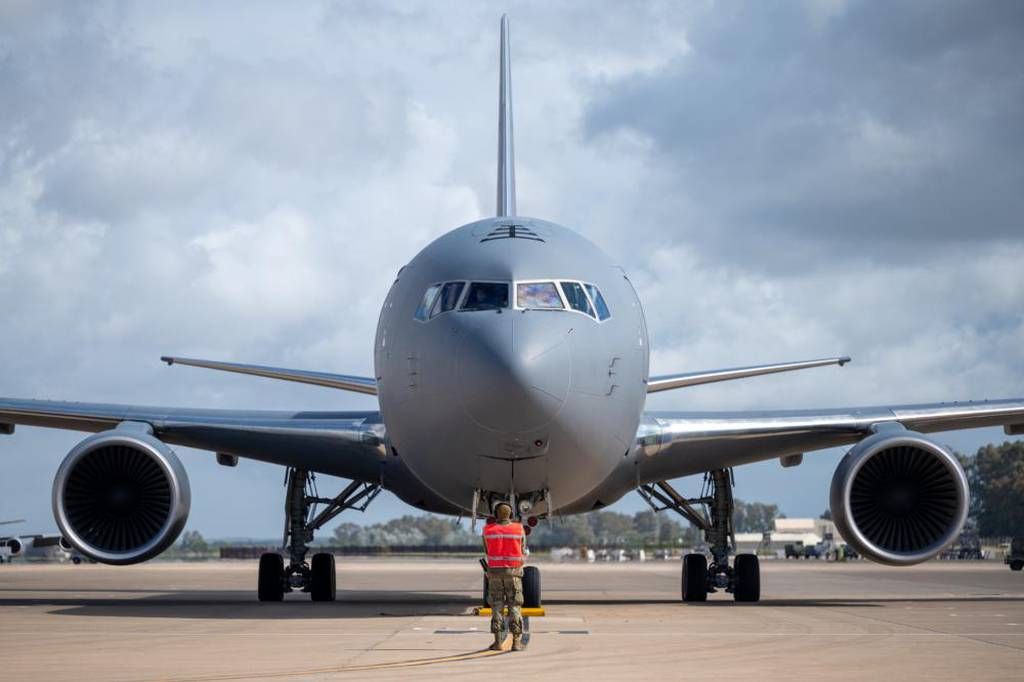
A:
x: 15, y: 546
x: 121, y: 497
x: 899, y: 498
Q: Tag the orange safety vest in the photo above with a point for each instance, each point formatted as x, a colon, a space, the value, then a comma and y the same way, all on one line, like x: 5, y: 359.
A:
x: 504, y: 543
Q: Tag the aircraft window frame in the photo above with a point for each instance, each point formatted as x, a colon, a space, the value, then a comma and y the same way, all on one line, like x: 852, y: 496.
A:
x: 568, y: 305
x: 422, y: 312
x: 587, y: 286
x: 439, y: 298
x: 553, y: 282
x: 469, y: 286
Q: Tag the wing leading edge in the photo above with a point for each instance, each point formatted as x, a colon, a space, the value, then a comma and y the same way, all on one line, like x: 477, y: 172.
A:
x: 675, y: 444
x: 345, y: 382
x: 670, y: 381
x: 347, y: 444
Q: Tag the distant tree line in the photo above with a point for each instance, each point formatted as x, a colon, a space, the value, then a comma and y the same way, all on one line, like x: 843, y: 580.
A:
x: 996, y: 475
x: 595, y: 529
x: 405, y: 530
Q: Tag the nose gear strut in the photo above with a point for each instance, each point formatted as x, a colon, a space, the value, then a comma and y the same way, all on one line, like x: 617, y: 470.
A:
x: 743, y: 578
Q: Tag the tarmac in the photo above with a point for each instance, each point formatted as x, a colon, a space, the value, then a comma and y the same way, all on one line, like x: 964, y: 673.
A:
x: 411, y: 619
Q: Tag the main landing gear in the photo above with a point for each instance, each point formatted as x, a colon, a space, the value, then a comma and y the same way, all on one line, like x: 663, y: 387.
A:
x: 743, y: 578
x: 316, y: 577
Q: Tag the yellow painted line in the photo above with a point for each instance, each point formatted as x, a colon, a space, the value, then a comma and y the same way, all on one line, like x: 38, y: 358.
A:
x: 484, y: 611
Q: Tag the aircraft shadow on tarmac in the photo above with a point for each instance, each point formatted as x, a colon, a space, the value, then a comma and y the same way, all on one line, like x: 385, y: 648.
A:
x: 239, y: 604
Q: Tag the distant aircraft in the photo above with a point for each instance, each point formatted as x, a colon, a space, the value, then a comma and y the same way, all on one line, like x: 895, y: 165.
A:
x: 511, y: 363
x: 32, y: 546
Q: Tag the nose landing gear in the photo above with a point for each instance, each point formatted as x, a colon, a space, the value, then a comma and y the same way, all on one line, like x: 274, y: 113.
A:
x: 317, y: 577
x: 699, y: 578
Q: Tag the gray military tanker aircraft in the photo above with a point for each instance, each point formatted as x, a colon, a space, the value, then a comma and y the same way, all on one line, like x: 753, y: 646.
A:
x: 511, y: 363
x: 35, y: 546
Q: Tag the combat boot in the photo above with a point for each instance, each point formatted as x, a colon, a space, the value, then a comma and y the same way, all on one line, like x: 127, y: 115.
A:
x: 497, y: 641
x: 517, y: 643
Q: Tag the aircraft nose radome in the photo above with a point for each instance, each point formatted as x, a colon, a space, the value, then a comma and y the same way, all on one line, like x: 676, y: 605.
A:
x: 513, y: 370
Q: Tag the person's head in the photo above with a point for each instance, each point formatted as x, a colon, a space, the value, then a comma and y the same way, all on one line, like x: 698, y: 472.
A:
x: 503, y: 511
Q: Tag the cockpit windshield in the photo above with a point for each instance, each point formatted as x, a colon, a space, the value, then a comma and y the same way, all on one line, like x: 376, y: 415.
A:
x: 449, y: 297
x: 602, y: 308
x: 423, y: 311
x: 577, y: 298
x: 486, y: 296
x: 538, y: 295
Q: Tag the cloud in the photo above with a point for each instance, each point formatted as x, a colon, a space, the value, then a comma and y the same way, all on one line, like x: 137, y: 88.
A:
x: 836, y: 130
x: 243, y: 182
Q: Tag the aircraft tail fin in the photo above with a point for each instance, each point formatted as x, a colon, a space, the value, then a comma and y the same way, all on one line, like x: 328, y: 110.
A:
x: 506, y: 156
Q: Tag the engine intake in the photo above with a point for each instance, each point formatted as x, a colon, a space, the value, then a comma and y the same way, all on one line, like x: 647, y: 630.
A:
x: 15, y: 546
x: 899, y: 499
x: 121, y: 497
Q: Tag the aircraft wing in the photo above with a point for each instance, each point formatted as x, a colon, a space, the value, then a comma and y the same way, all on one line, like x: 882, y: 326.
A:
x: 675, y: 444
x: 669, y: 382
x: 345, y: 382
x: 347, y: 444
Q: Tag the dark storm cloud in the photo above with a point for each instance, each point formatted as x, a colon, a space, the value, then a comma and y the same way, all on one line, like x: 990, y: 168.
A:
x: 802, y: 125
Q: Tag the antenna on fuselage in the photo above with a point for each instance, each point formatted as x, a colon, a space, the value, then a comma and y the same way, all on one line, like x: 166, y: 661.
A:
x: 506, y: 159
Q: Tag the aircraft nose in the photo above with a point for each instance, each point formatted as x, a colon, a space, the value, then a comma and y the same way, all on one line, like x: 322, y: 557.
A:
x: 513, y: 369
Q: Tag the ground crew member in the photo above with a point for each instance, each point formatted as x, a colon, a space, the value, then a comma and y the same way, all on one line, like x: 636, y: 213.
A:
x: 503, y: 545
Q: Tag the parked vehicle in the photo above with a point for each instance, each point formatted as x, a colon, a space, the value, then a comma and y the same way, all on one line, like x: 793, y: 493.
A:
x: 1015, y: 557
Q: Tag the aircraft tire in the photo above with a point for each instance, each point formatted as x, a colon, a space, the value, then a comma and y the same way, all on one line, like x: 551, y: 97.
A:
x: 747, y: 576
x: 695, y: 578
x: 531, y: 587
x: 271, y: 577
x: 323, y: 577
x: 1016, y: 565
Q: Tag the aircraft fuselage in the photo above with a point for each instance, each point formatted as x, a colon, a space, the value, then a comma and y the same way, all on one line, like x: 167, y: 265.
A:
x: 506, y: 400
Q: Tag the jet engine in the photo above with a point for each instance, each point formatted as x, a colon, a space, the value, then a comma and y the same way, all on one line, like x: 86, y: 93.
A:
x: 15, y: 546
x: 899, y: 498
x: 121, y: 497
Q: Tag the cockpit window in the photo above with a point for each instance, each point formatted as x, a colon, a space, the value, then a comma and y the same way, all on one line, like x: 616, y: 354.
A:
x: 423, y: 311
x: 486, y: 296
x: 450, y: 294
x: 538, y: 295
x: 577, y: 298
x: 602, y: 307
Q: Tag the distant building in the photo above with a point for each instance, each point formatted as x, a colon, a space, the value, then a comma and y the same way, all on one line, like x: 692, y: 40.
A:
x: 808, y: 532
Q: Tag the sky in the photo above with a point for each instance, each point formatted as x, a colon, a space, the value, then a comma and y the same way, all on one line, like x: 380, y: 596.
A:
x: 242, y: 181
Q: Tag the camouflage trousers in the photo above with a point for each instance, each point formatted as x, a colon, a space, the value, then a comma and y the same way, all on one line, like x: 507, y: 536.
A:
x: 505, y: 591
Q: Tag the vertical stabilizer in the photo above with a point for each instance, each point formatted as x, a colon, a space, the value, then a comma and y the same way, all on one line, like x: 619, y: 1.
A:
x: 506, y: 157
